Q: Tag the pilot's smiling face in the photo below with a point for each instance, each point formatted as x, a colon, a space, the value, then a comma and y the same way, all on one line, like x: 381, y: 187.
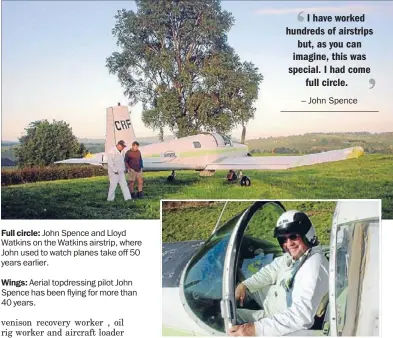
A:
x: 294, y: 245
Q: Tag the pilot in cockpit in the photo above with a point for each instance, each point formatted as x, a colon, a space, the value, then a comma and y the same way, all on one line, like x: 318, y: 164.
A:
x: 290, y: 289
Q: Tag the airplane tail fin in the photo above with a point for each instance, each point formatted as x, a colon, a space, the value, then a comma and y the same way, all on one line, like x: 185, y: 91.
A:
x: 118, y: 127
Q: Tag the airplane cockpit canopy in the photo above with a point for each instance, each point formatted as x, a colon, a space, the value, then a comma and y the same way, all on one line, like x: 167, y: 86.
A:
x: 222, y: 140
x: 205, y: 276
x: 202, y: 285
x: 227, y: 140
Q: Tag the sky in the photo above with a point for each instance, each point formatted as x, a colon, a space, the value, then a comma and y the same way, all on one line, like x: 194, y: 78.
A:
x: 53, y: 66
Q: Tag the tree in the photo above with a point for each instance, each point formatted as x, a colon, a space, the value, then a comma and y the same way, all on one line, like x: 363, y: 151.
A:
x: 176, y: 61
x: 45, y: 143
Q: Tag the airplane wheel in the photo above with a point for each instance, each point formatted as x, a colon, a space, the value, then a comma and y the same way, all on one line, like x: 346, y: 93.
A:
x: 171, y: 177
x: 245, y: 181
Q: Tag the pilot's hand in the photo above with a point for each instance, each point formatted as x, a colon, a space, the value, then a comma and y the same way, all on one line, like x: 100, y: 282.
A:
x: 240, y: 293
x: 244, y: 330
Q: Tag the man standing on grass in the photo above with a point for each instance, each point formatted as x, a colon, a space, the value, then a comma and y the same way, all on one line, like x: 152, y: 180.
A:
x: 134, y: 164
x: 116, y: 171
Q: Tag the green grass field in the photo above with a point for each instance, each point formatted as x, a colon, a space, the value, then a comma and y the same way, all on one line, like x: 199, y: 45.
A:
x: 197, y: 222
x: 370, y: 176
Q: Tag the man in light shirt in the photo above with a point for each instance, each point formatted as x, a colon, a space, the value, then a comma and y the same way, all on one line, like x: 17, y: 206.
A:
x: 297, y: 281
x: 116, y: 171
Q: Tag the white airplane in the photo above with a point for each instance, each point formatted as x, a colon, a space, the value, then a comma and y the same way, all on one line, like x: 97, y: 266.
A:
x: 199, y: 277
x: 205, y: 152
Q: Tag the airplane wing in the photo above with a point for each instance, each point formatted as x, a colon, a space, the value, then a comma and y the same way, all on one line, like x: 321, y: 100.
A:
x: 284, y: 162
x: 95, y: 159
x: 149, y: 163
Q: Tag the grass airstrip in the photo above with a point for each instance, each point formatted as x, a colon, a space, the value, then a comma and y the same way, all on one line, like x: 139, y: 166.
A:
x: 369, y: 177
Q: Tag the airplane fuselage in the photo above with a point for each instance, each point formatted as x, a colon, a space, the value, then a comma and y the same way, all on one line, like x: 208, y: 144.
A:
x: 192, y: 152
x: 205, y: 152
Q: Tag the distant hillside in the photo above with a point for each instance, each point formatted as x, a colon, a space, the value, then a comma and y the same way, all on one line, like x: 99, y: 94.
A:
x: 6, y: 162
x: 91, y: 140
x: 8, y: 151
x: 8, y: 143
x: 316, y: 142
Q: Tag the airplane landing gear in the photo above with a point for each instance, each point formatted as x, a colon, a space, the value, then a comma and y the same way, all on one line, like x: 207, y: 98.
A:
x: 245, y: 181
x: 232, y: 177
x: 171, y: 177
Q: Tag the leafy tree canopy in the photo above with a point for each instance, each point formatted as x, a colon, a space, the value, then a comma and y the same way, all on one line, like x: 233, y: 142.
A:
x: 176, y: 61
x: 45, y: 143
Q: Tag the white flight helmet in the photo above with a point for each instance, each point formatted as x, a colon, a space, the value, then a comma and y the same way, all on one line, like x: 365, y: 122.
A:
x: 294, y: 221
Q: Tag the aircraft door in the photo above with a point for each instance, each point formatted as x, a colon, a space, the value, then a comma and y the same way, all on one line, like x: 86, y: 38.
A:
x: 202, y: 279
x: 250, y: 247
x: 354, y: 269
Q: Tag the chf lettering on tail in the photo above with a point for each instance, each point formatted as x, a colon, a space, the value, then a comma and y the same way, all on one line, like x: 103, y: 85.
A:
x: 123, y: 124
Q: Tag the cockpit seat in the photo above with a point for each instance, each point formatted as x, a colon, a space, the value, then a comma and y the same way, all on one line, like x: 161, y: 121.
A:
x: 320, y: 315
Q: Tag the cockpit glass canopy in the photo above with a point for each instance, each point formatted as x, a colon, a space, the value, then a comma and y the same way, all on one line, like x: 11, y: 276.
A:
x: 258, y: 247
x: 203, y: 278
x: 227, y: 139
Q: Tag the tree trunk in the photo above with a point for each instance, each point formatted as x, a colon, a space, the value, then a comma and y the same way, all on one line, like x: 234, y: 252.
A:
x: 243, y: 140
x: 161, y: 134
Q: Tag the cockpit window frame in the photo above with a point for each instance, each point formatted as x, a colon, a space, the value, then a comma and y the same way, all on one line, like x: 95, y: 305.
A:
x: 231, y: 261
x: 338, y: 325
x: 226, y: 140
x: 184, y: 302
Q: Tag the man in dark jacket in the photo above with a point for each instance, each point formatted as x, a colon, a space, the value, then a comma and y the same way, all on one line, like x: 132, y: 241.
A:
x: 134, y: 165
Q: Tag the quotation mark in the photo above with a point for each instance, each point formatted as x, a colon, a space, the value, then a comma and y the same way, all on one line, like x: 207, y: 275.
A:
x: 300, y: 17
x: 372, y: 83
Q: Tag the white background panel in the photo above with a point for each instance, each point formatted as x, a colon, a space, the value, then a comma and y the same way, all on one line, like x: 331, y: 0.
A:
x: 141, y: 313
